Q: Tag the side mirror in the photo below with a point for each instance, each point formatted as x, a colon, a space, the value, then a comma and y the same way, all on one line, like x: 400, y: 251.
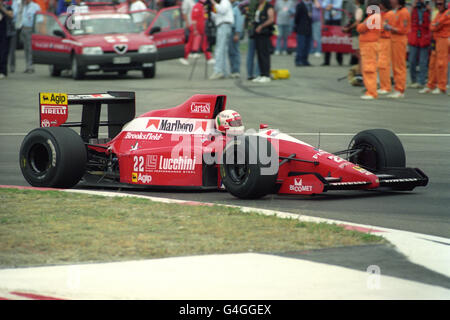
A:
x: 155, y: 30
x: 263, y: 126
x: 59, y: 33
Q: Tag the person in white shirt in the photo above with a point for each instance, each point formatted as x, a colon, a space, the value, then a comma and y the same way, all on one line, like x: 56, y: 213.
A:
x: 186, y: 9
x: 136, y: 5
x: 224, y: 20
x: 29, y: 11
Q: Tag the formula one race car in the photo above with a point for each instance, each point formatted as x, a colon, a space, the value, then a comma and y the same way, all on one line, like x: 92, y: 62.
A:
x: 188, y: 146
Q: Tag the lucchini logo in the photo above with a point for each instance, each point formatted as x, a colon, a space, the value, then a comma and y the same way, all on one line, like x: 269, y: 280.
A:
x: 247, y: 149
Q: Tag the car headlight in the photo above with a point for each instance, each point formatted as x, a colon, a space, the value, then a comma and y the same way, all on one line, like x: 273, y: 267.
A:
x: 147, y: 48
x: 92, y: 50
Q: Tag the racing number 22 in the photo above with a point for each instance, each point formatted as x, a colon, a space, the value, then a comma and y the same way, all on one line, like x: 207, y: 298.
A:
x: 138, y: 163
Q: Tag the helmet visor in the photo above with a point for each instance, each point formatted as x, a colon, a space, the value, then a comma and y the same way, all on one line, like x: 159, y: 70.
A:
x: 235, y: 123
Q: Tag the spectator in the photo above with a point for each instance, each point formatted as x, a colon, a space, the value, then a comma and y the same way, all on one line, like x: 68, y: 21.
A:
x: 52, y: 6
x: 332, y: 16
x: 316, y: 43
x: 263, y: 29
x: 29, y: 11
x: 283, y: 9
x: 197, y: 32
x: 419, y: 40
x: 399, y: 30
x: 6, y: 16
x: 62, y: 6
x: 186, y: 9
x: 224, y: 19
x: 356, y: 19
x: 302, y: 22
x: 138, y: 18
x: 252, y: 67
x: 136, y: 5
x: 384, y: 53
x: 440, y: 28
x: 236, y: 33
x: 16, y: 7
x: 369, y: 34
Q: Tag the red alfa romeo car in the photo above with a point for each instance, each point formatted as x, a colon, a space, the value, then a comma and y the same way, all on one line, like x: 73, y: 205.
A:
x: 181, y: 148
x: 107, y: 39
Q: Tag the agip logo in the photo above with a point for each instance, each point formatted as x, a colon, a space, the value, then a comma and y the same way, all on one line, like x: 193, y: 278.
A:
x: 56, y: 99
x: 53, y: 109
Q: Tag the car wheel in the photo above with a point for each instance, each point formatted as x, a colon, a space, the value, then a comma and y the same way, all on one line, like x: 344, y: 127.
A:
x: 77, y: 71
x: 380, y: 148
x: 53, y: 157
x: 54, y: 70
x: 149, y: 72
x: 244, y: 172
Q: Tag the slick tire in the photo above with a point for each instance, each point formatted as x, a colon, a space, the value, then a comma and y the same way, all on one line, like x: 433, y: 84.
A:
x: 244, y: 172
x: 53, y: 157
x: 381, y: 149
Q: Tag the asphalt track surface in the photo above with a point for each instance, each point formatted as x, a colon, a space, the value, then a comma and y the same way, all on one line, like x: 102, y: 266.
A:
x: 311, y: 101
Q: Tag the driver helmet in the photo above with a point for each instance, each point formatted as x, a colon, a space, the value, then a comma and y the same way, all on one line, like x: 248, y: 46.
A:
x: 229, y: 122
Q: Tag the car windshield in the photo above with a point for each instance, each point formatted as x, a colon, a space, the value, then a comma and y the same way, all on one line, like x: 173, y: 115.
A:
x: 105, y: 24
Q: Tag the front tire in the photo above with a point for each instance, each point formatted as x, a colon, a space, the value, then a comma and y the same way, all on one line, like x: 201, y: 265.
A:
x: 249, y: 178
x: 149, y: 73
x: 381, y: 148
x: 53, y: 157
x: 77, y: 70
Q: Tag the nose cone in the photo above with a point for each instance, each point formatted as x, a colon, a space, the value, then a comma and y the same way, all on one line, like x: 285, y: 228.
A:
x: 356, y: 173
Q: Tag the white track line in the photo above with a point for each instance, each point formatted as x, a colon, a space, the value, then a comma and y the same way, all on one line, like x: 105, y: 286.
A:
x: 5, y: 134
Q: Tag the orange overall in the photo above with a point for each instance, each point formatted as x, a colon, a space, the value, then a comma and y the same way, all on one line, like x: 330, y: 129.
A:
x: 402, y: 23
x: 368, y: 46
x: 384, y: 55
x: 437, y: 74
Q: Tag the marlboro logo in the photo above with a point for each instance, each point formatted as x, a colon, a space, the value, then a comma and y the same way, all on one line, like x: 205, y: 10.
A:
x: 177, y: 125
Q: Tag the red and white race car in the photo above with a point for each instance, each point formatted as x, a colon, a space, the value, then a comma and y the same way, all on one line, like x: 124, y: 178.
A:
x: 108, y: 40
x: 180, y: 147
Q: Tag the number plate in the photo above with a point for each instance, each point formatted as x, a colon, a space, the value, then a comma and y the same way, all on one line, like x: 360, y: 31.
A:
x: 121, y: 60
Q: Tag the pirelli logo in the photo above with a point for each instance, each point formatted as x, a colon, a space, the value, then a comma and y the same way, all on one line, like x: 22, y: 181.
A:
x: 61, y: 110
x: 56, y: 99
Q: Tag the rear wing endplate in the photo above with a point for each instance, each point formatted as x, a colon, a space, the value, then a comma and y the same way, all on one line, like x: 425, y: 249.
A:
x: 121, y: 108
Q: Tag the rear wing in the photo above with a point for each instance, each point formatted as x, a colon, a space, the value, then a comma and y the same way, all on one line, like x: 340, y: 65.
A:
x: 121, y: 108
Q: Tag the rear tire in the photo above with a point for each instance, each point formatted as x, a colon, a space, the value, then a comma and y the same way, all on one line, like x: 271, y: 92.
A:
x: 53, y: 157
x: 247, y: 180
x: 54, y: 70
x: 381, y: 148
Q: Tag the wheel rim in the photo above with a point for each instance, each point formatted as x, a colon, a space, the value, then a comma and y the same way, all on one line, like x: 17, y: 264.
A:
x: 39, y: 158
x: 367, y: 158
x: 237, y: 172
